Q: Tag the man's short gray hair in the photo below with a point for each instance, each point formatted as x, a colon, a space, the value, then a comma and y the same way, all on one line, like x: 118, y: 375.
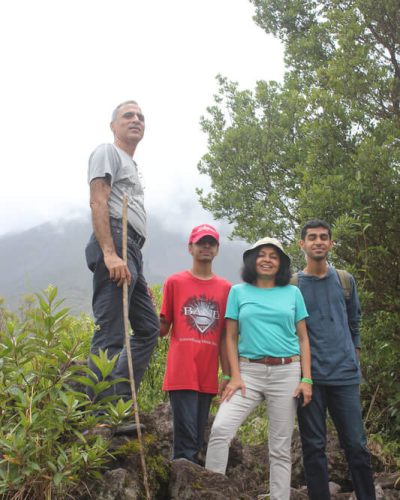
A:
x: 115, y: 112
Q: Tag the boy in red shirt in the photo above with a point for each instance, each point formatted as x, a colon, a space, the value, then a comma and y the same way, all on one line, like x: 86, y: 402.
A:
x: 194, y: 304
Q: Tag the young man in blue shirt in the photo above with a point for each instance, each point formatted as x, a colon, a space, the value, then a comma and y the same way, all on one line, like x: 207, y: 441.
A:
x: 333, y: 329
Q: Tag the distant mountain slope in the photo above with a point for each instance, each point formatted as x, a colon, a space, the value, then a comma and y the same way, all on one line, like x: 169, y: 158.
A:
x: 54, y: 253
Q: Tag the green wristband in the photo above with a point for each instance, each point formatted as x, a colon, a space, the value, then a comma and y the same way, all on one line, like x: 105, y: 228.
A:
x: 307, y: 380
x: 226, y: 377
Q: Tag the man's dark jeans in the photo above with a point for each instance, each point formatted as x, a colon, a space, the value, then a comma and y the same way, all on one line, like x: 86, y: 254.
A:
x: 190, y: 411
x: 343, y: 404
x: 108, y: 314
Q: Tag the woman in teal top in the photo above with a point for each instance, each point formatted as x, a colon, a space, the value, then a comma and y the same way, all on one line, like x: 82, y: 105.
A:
x: 269, y: 357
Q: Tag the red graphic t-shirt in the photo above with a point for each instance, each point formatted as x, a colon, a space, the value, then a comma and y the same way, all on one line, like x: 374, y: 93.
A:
x: 196, y: 309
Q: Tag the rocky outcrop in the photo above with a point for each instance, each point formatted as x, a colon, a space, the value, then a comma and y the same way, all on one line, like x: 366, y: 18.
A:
x: 247, y: 473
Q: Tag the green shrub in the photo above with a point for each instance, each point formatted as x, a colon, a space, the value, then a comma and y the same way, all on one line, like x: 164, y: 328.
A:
x: 381, y: 368
x: 151, y: 392
x: 44, y: 453
x: 44, y: 410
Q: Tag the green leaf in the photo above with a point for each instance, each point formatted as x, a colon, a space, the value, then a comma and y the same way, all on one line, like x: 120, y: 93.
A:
x: 43, y: 304
x: 57, y: 478
x: 85, y: 381
x: 103, y: 364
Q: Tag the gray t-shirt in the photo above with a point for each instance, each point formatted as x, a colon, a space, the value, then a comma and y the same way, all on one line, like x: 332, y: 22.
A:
x: 109, y: 160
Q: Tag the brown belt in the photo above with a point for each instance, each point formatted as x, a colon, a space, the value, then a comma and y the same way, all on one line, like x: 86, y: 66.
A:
x: 269, y: 360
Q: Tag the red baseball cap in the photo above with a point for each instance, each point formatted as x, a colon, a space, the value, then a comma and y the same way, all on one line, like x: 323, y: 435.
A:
x: 199, y: 232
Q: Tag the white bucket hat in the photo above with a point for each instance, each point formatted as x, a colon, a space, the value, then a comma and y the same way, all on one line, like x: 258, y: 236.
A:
x: 268, y: 241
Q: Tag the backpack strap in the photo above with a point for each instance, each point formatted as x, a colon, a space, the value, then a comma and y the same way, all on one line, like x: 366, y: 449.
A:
x: 344, y: 278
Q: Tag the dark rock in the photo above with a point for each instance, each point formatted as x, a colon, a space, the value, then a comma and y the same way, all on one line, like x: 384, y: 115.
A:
x: 189, y: 481
x: 119, y: 484
x: 391, y: 494
x: 334, y: 488
x: 380, y: 495
x: 246, y: 476
x: 300, y: 494
x: 389, y: 480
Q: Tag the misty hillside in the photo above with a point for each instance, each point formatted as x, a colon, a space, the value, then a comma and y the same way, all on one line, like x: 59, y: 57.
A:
x: 55, y: 253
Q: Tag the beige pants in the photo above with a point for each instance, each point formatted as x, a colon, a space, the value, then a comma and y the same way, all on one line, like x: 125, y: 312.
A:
x: 275, y: 384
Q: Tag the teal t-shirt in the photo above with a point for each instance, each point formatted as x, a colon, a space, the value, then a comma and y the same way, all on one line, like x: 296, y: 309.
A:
x: 266, y: 319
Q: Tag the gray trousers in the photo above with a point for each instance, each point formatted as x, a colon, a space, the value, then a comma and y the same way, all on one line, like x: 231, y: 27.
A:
x: 275, y: 384
x: 108, y: 314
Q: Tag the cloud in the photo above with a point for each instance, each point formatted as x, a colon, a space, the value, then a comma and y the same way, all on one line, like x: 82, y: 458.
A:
x: 68, y: 65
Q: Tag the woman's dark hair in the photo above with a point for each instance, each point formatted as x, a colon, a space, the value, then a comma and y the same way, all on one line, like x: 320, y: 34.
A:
x: 249, y: 274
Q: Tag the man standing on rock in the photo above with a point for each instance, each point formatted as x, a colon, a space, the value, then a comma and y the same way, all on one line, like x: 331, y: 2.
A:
x: 333, y: 329
x: 194, y: 303
x: 112, y: 174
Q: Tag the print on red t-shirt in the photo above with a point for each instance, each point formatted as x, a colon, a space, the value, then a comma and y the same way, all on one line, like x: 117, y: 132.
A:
x: 201, y: 313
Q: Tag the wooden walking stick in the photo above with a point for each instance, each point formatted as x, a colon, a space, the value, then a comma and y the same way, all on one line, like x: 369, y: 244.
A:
x: 128, y: 345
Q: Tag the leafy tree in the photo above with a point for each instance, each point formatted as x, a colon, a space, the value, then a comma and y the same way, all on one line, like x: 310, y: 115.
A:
x: 252, y: 137
x: 325, y: 143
